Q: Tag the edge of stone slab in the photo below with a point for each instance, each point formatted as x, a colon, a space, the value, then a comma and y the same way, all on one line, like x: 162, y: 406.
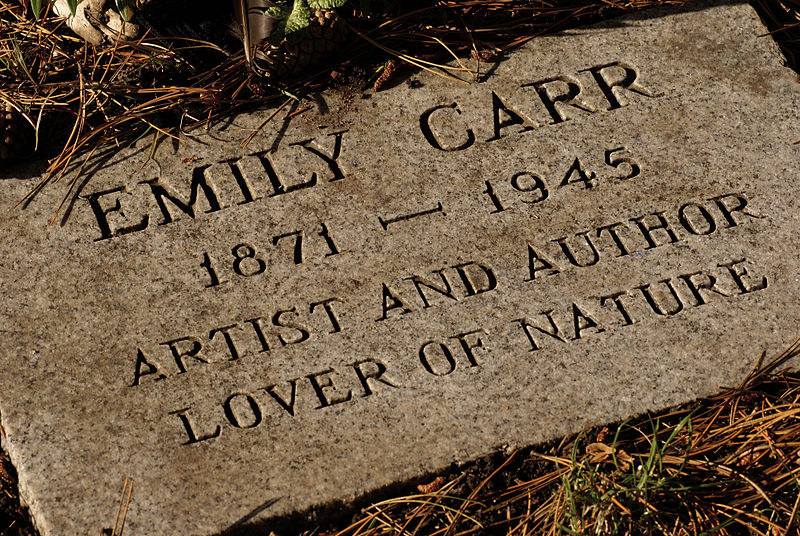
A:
x: 696, y: 5
x: 329, y: 515
x: 333, y: 515
x: 340, y: 509
x: 336, y: 511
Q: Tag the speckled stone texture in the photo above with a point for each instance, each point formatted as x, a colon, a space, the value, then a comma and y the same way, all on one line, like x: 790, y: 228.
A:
x: 393, y: 282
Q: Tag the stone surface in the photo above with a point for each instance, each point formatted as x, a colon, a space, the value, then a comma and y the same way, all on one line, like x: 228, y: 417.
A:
x: 392, y: 282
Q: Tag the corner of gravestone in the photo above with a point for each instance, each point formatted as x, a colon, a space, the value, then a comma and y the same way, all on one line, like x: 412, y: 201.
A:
x: 387, y: 287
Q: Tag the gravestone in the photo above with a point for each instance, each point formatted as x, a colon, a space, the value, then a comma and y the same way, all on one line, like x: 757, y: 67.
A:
x: 389, y: 283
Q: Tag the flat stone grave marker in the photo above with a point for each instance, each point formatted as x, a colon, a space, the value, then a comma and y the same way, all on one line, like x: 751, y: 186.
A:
x: 393, y: 282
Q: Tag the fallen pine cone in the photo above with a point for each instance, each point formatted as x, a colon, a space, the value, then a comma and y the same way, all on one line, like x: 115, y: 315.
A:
x: 325, y: 33
x: 386, y: 75
x: 15, y: 135
x: 432, y: 486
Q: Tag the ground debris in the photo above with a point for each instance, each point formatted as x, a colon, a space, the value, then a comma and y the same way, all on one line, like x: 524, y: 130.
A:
x: 726, y: 464
x: 14, y: 519
x: 142, y: 87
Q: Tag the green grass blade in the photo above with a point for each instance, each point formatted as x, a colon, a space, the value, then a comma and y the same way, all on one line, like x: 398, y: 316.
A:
x: 574, y: 456
x: 614, y: 445
x: 20, y: 59
x: 124, y: 9
x: 719, y: 527
x: 284, y: 92
x: 36, y: 7
x: 687, y: 421
x: 652, y: 457
x: 570, y: 497
x: 140, y: 136
x: 568, y: 530
x: 676, y: 431
x: 73, y: 6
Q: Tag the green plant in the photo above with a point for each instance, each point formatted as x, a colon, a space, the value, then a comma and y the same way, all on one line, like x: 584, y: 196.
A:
x: 124, y: 9
x: 618, y: 493
x: 36, y: 7
x: 293, y: 20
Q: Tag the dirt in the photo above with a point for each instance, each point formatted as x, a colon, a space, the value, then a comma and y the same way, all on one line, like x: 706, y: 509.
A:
x: 14, y: 519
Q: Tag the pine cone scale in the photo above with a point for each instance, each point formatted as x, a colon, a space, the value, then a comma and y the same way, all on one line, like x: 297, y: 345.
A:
x: 15, y: 134
x: 323, y: 35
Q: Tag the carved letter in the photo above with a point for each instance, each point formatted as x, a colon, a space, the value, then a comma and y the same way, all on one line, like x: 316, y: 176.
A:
x: 199, y: 181
x: 595, y: 256
x: 695, y: 287
x: 303, y: 332
x: 327, y: 383
x: 621, y: 308
x: 647, y: 229
x: 658, y: 308
x: 241, y: 181
x: 710, y: 225
x: 326, y: 304
x: 392, y: 301
x: 469, y: 284
x: 433, y: 138
x: 277, y: 185
x: 512, y: 118
x: 546, y: 264
x: 467, y: 347
x: 256, y: 323
x: 582, y: 321
x: 568, y: 96
x: 234, y: 416
x: 727, y: 211
x: 628, y: 81
x: 149, y: 368
x: 228, y: 339
x: 742, y: 278
x: 193, y: 438
x: 101, y: 214
x: 332, y: 158
x: 552, y: 332
x: 612, y: 232
x: 193, y: 351
x: 288, y: 406
x: 419, y: 283
x: 376, y: 374
x: 448, y: 356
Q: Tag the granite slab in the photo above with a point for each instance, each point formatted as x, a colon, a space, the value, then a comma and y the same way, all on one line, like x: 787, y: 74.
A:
x: 393, y: 282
